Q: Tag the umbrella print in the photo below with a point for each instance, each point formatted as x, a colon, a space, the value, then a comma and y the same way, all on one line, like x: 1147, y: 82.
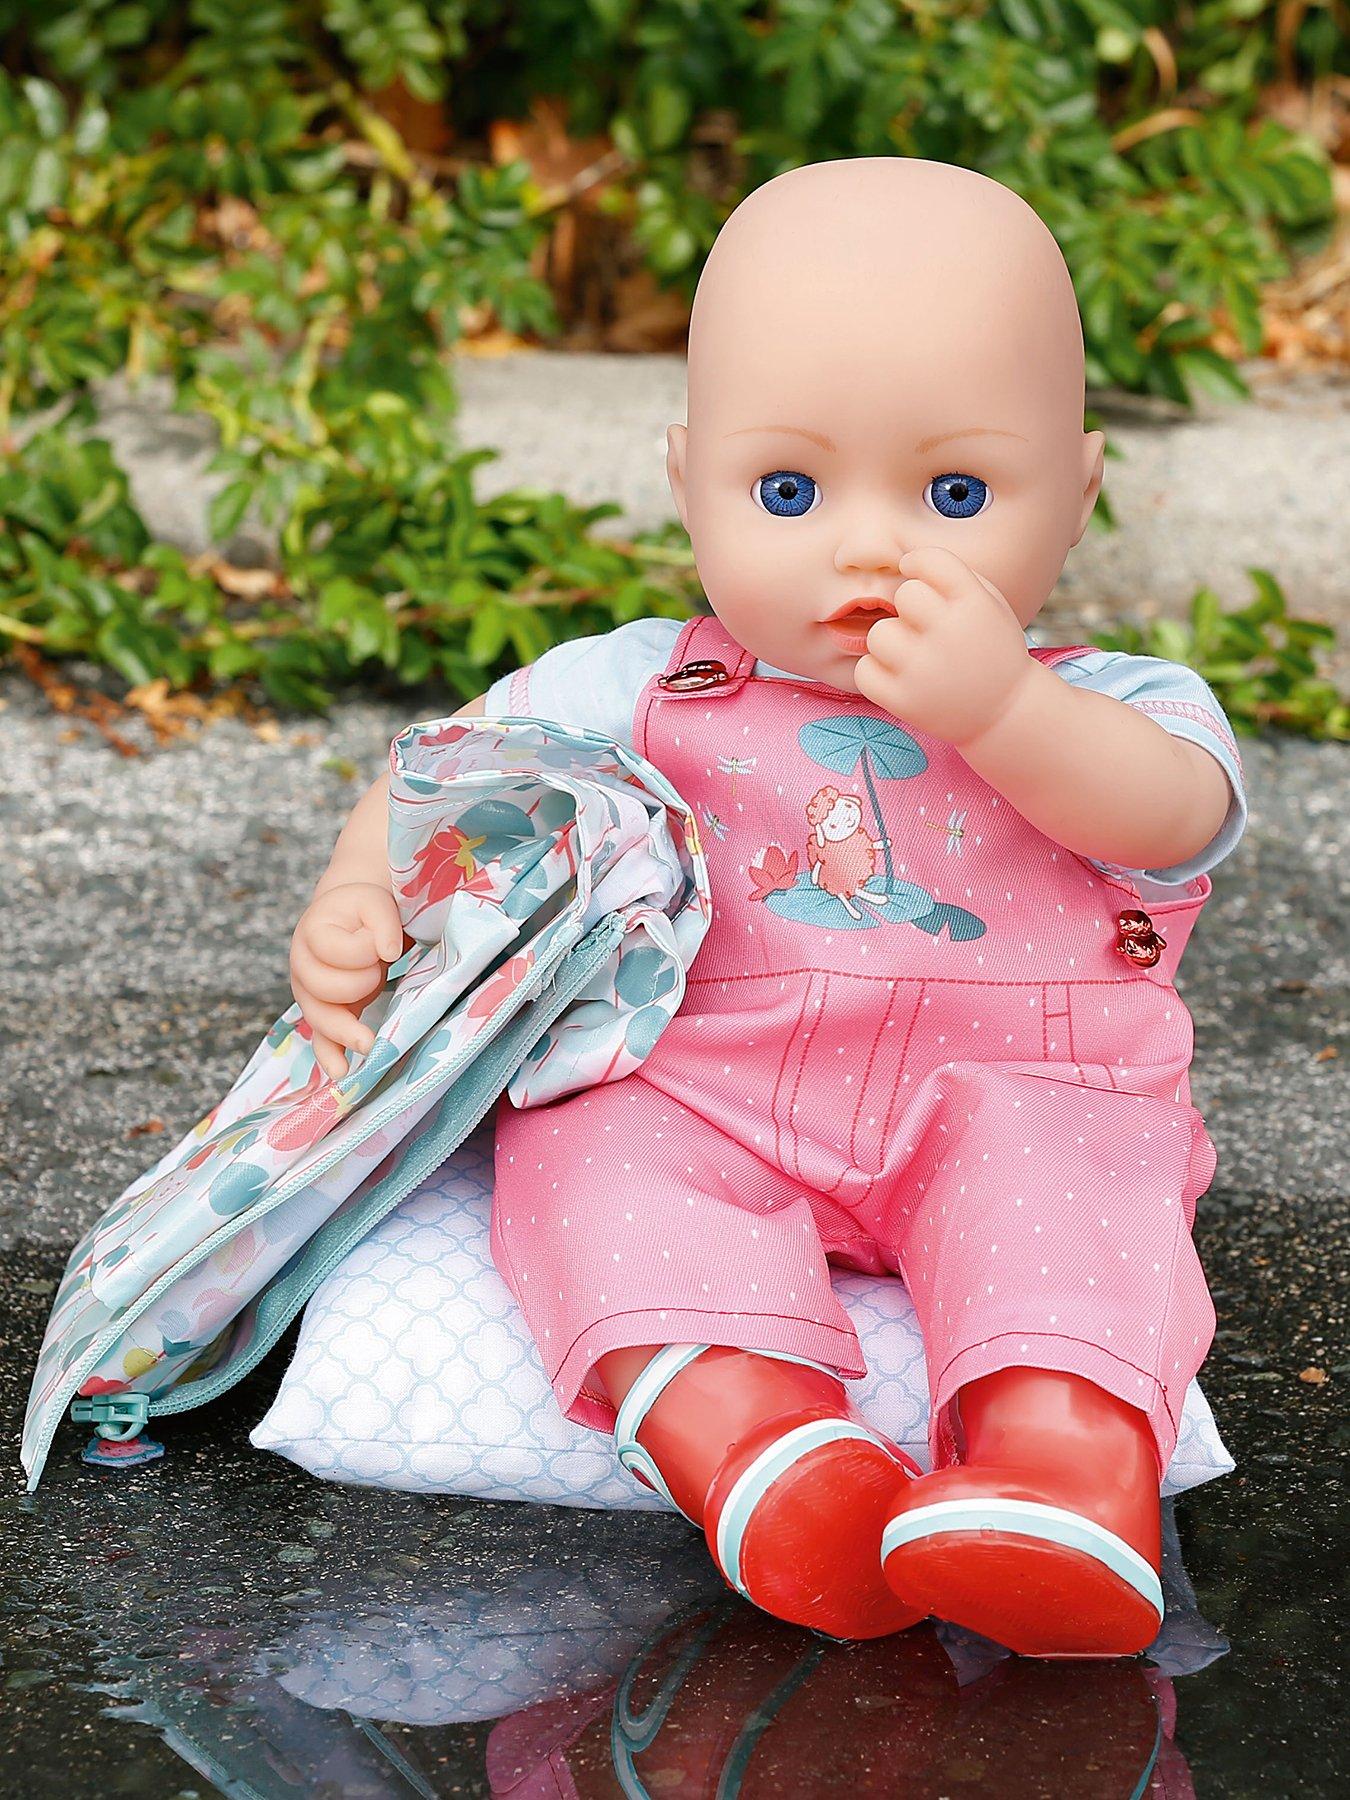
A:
x: 875, y: 748
x: 879, y: 751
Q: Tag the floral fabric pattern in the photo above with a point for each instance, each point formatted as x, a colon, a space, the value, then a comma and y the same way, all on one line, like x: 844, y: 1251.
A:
x: 509, y: 841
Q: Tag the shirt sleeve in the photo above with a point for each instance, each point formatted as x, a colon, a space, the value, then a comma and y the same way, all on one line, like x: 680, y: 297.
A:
x: 1179, y: 700
x: 593, y: 682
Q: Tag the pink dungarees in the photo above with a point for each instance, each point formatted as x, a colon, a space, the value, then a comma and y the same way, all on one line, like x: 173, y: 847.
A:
x: 910, y: 1045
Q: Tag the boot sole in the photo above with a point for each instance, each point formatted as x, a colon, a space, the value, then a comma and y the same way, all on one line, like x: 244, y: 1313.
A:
x: 1038, y: 1579
x: 799, y: 1531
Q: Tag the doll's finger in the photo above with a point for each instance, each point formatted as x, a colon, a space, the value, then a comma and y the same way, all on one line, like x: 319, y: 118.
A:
x: 380, y: 915
x: 337, y: 1022
x: 328, y: 983
x: 364, y: 908
x: 886, y: 643
x: 918, y: 605
x: 872, y: 679
x: 331, y: 1057
x: 341, y: 948
x: 943, y: 569
x: 989, y: 588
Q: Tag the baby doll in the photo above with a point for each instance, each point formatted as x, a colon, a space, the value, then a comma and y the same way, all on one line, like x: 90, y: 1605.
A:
x: 932, y: 1031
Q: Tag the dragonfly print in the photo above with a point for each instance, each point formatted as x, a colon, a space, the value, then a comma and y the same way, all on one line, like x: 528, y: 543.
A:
x: 716, y: 824
x: 736, y: 766
x: 955, y: 829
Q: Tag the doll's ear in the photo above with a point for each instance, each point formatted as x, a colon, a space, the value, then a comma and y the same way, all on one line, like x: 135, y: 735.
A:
x: 677, y: 436
x: 1094, y: 465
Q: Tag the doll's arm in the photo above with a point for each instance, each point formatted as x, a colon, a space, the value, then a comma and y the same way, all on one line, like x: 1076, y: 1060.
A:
x: 351, y: 931
x: 1098, y: 776
x: 1090, y: 771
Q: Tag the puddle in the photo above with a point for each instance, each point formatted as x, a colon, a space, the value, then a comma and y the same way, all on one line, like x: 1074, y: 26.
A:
x: 219, y: 1623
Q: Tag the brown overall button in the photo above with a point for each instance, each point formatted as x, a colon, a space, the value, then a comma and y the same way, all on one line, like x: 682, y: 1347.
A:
x: 691, y: 677
x: 1137, y: 941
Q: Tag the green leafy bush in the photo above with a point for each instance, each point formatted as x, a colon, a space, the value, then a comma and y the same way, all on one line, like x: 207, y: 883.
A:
x: 208, y: 193
x: 391, y: 567
x: 1128, y: 124
x: 1260, y: 660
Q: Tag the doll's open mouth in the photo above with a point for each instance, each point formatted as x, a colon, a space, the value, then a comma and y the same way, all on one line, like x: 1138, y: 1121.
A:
x: 850, y: 623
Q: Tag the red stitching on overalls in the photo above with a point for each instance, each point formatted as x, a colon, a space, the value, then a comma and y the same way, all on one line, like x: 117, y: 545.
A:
x: 788, y: 1045
x: 899, y: 1083
x: 1122, y: 980
x: 871, y: 1060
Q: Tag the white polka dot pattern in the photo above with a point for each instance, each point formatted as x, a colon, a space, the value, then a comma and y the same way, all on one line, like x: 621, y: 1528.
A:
x: 414, y: 1370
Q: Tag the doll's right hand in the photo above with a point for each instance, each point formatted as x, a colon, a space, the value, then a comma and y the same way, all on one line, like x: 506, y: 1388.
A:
x: 345, y: 940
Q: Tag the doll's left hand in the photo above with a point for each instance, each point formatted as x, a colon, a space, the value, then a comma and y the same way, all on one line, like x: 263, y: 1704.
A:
x: 953, y: 657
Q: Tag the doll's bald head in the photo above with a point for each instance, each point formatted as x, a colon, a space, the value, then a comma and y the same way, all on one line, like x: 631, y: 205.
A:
x: 877, y: 246
x: 870, y: 328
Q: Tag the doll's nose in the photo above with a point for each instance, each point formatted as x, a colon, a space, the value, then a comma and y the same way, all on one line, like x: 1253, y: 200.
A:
x: 869, y: 548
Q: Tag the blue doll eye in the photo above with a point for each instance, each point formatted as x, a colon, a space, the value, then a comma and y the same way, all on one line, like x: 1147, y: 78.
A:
x: 787, y: 494
x: 957, y: 496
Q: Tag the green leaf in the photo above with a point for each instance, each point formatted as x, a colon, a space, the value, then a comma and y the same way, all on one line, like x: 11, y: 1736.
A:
x: 488, y: 635
x: 49, y: 109
x: 1171, y: 640
x: 228, y: 508
x: 668, y: 110
x: 46, y: 181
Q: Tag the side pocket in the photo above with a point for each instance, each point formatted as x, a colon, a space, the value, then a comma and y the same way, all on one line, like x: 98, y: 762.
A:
x: 1133, y: 1035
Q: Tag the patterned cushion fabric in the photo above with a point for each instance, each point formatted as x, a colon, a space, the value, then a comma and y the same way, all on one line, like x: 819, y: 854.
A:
x: 414, y: 1369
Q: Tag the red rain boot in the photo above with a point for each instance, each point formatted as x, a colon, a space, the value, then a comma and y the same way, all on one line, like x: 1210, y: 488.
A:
x: 789, y: 1483
x: 1047, y: 1536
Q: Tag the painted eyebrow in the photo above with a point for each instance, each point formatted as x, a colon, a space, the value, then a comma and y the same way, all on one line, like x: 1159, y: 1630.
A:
x: 928, y: 443
x: 931, y: 443
x: 816, y: 437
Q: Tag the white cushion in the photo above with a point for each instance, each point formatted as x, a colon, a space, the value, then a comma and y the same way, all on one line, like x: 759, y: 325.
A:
x: 414, y: 1369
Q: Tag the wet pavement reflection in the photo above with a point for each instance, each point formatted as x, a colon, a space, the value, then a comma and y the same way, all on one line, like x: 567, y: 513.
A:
x: 219, y: 1623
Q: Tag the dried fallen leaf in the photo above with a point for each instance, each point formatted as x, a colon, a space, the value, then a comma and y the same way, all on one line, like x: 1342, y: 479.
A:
x: 494, y: 341
x: 64, y: 697
x: 1314, y: 1376
x: 1329, y: 1054
x: 148, y: 1128
x: 168, y: 715
x: 249, y: 584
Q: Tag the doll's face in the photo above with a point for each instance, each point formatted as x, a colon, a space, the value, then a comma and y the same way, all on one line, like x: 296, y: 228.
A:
x: 858, y: 393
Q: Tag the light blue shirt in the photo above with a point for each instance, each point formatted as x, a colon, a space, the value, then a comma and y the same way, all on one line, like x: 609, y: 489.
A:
x: 595, y: 681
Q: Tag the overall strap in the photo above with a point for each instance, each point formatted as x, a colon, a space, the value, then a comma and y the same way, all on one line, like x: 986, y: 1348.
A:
x: 1063, y: 653
x: 705, y: 664
x: 706, y: 660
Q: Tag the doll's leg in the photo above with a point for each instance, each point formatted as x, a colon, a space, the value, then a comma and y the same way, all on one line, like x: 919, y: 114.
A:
x: 623, y: 1221
x: 768, y: 1455
x: 621, y: 1217
x: 1064, y: 1314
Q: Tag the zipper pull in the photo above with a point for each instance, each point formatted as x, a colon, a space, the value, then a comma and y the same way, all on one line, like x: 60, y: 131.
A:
x: 118, y: 1421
